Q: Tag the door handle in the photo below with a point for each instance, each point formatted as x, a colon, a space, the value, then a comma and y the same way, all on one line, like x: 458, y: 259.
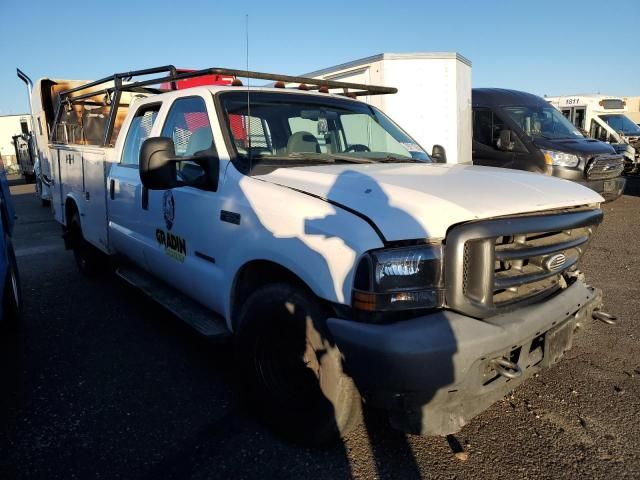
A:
x: 69, y: 158
x: 112, y: 189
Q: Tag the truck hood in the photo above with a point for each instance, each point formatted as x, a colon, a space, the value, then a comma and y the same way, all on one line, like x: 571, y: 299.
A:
x: 412, y: 201
x: 577, y: 146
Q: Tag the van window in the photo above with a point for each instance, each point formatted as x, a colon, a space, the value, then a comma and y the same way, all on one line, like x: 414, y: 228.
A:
x: 486, y: 127
x: 542, y: 122
x: 578, y: 118
x: 598, y: 132
x: 139, y: 131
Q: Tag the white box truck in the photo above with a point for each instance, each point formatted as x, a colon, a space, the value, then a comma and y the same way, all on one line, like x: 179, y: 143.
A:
x: 433, y: 103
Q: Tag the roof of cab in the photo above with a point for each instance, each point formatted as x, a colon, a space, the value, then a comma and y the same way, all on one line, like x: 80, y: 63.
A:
x: 498, y: 97
x: 244, y: 89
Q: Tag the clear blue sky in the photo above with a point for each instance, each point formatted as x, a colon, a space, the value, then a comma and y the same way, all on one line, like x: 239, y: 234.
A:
x: 544, y: 47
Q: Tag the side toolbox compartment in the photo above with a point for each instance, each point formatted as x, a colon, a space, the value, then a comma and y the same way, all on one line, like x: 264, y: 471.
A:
x: 94, y: 197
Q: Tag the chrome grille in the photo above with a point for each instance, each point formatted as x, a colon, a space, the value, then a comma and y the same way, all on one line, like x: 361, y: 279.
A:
x: 528, y: 264
x: 605, y: 166
x: 494, y: 265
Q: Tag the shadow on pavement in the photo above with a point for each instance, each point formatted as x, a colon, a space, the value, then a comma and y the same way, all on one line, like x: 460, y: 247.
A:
x: 102, y: 382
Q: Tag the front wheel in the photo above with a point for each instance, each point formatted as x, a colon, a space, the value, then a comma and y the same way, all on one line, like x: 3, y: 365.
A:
x: 293, y: 370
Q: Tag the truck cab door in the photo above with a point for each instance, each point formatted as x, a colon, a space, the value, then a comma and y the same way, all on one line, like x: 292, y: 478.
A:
x: 182, y: 224
x: 124, y: 189
x: 486, y: 132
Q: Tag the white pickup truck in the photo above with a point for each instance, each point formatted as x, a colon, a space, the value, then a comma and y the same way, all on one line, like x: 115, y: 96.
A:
x: 348, y: 266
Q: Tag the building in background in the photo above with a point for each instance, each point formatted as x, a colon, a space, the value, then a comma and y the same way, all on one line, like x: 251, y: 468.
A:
x: 10, y: 126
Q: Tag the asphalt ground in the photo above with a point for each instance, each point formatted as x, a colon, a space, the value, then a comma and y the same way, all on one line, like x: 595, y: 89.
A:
x: 102, y: 383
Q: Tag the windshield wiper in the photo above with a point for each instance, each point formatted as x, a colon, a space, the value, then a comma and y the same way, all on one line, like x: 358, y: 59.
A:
x: 392, y: 159
x: 293, y: 157
x: 319, y: 157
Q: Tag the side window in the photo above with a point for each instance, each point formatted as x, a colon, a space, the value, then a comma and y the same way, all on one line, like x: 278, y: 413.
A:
x: 598, y: 132
x: 188, y: 126
x: 578, y: 120
x: 139, y: 131
x: 486, y: 127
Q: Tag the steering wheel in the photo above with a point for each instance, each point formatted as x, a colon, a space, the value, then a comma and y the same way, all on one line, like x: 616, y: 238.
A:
x: 357, y: 147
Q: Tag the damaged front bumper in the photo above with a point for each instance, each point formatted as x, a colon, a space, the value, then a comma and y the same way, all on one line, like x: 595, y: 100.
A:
x: 434, y: 373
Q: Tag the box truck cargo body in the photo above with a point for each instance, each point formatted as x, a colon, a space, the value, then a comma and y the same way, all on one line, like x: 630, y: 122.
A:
x: 433, y: 103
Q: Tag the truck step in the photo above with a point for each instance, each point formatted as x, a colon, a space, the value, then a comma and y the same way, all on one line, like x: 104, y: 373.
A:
x: 192, y: 313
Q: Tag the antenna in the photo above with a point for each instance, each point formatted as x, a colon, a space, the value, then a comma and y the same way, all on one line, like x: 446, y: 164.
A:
x: 246, y: 20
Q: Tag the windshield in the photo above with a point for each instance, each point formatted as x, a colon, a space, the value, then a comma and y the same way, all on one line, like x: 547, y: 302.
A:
x: 287, y: 129
x: 621, y: 124
x: 543, y: 122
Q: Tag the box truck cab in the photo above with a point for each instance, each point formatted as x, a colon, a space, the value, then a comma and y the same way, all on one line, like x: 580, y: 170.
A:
x: 513, y: 129
x: 604, y: 118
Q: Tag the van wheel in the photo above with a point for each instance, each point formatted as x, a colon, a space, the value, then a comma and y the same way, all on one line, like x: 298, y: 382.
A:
x: 293, y: 371
x: 12, y: 294
x: 89, y: 259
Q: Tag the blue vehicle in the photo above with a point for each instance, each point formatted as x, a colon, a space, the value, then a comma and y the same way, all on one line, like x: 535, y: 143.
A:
x: 10, y: 295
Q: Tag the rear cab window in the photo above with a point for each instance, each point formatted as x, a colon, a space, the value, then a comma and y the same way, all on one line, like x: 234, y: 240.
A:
x: 139, y: 131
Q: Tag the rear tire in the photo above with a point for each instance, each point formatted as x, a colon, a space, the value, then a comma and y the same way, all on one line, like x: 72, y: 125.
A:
x: 292, y: 368
x: 89, y: 259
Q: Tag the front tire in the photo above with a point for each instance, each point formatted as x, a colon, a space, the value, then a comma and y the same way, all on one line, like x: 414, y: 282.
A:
x: 293, y: 370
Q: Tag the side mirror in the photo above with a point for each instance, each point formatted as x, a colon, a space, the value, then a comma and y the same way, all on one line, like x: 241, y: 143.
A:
x: 158, y: 163
x: 505, y: 142
x: 439, y: 154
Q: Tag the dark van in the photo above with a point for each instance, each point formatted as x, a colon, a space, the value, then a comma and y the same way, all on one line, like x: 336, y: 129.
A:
x: 513, y: 129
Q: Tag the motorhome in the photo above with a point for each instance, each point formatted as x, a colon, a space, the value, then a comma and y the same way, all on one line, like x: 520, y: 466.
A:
x: 604, y: 118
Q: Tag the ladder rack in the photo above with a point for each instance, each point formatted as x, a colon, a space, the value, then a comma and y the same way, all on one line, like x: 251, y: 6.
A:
x: 115, y: 84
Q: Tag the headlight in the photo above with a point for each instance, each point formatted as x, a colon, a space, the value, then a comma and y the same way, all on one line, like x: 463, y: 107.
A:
x: 400, y: 279
x: 560, y: 159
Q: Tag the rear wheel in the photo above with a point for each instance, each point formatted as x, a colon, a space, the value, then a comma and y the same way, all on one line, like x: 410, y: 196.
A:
x: 89, y: 259
x: 293, y: 370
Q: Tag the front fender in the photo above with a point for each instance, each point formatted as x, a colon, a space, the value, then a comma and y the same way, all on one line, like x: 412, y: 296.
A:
x: 317, y: 241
